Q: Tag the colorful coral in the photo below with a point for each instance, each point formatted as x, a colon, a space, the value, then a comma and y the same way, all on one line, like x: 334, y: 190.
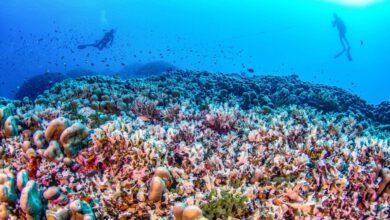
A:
x: 193, y: 145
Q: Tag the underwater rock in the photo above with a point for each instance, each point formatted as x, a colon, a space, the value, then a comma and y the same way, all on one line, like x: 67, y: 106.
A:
x: 35, y: 85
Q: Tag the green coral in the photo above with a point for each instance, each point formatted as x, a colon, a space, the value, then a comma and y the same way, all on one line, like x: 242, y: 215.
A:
x: 98, y: 119
x: 204, y: 106
x: 224, y: 206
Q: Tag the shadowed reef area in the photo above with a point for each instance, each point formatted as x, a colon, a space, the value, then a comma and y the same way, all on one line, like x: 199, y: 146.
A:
x: 194, y: 145
x: 248, y: 92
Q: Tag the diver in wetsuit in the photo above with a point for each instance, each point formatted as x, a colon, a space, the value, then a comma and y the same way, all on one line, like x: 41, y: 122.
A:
x: 105, y: 42
x: 342, y: 29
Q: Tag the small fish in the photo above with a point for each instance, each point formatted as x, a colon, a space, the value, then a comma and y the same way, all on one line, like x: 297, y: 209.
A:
x: 361, y: 42
x: 251, y: 70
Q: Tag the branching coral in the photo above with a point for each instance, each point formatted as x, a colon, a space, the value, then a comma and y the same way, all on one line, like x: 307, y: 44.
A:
x: 145, y: 109
x: 222, y: 119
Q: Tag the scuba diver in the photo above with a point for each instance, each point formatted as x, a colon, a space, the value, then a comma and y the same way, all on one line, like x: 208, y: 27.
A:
x: 342, y: 29
x: 105, y: 42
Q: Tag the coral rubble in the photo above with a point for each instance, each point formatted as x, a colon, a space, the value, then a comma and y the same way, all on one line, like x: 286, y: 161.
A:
x: 193, y: 145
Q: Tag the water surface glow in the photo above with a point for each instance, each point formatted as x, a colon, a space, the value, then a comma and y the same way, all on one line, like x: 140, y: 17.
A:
x: 360, y: 3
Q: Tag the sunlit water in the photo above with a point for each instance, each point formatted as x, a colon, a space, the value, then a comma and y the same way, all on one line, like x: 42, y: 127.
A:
x: 272, y: 37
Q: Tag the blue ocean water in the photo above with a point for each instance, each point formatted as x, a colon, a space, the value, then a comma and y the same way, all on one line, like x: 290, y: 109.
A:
x: 278, y: 37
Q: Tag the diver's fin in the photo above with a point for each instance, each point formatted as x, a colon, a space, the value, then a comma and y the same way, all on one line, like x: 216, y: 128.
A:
x: 339, y: 54
x: 349, y: 54
x: 83, y: 46
x: 80, y: 47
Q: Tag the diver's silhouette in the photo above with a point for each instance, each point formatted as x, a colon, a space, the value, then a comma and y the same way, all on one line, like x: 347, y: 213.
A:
x: 340, y: 25
x: 106, y: 41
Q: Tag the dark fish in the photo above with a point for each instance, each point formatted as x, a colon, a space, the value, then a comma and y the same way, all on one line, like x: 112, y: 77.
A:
x: 251, y: 70
x: 361, y: 42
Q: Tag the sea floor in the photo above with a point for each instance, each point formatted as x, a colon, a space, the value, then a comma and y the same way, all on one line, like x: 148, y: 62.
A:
x: 194, y: 145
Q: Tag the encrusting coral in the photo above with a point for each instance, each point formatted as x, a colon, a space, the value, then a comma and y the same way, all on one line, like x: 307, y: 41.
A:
x: 71, y: 138
x: 81, y: 211
x: 193, y: 145
x: 11, y: 127
x: 55, y: 128
x: 21, y: 179
x: 30, y: 201
x: 53, y: 152
x: 7, y: 188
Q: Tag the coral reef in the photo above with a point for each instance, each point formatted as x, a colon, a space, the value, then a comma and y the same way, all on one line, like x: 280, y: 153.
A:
x: 193, y: 145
